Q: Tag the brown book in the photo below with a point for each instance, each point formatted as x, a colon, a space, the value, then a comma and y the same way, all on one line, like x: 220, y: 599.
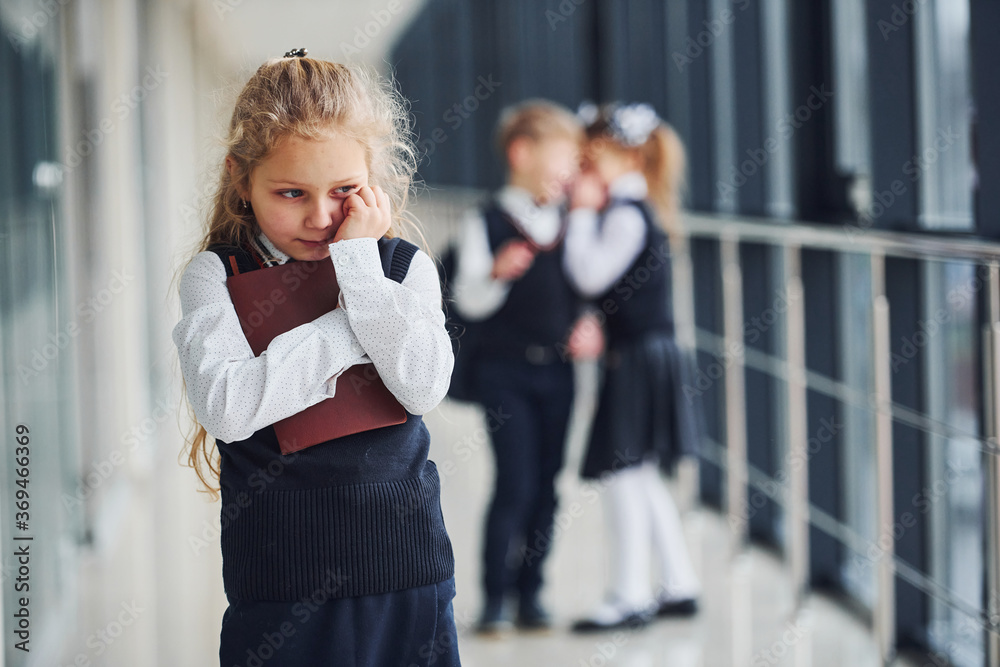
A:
x: 273, y: 300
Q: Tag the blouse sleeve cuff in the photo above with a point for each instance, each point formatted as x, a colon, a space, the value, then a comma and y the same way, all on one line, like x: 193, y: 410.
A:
x: 356, y: 260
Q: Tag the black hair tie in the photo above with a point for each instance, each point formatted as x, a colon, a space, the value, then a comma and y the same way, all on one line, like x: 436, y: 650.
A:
x: 299, y: 53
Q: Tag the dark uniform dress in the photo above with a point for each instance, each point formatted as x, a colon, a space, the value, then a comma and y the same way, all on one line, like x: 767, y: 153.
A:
x: 336, y: 554
x: 642, y: 411
x: 524, y: 380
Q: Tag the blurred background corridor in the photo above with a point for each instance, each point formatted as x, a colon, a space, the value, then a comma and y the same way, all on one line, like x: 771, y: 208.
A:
x: 840, y: 289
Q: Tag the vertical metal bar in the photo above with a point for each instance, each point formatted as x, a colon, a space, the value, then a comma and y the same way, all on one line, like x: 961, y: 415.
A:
x: 797, y: 498
x: 741, y: 609
x: 724, y: 109
x: 777, y: 36
x: 991, y: 460
x: 885, y: 599
x: 736, y: 428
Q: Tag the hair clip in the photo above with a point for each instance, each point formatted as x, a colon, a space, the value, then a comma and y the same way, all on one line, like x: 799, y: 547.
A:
x: 587, y: 112
x: 299, y: 53
x: 633, y: 123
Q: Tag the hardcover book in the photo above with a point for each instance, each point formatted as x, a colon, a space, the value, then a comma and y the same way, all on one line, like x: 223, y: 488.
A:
x: 273, y: 300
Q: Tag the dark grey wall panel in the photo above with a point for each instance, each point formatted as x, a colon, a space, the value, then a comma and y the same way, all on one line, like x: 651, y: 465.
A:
x: 985, y: 24
x: 819, y: 282
x: 892, y: 92
x: 748, y: 77
x: 903, y: 282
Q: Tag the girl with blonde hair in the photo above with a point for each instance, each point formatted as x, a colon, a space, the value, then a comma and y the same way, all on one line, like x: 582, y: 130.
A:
x: 338, y: 553
x: 625, y: 215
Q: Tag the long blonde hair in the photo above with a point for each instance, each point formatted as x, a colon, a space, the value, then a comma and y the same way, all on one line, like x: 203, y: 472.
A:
x: 308, y: 98
x: 664, y: 164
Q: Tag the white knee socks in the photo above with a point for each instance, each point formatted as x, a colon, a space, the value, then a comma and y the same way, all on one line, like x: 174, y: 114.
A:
x: 642, y: 515
x: 677, y: 577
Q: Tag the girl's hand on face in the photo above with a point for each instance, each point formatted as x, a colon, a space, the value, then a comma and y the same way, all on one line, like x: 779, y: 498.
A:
x: 367, y: 213
x: 588, y: 192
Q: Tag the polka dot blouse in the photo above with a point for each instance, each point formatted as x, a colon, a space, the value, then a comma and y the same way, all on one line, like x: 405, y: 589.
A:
x: 399, y: 327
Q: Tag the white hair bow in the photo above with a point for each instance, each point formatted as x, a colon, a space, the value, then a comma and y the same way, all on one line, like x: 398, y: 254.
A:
x: 633, y: 123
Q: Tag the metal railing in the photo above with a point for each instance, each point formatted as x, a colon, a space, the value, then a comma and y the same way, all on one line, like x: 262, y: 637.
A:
x: 800, y: 514
x: 442, y: 212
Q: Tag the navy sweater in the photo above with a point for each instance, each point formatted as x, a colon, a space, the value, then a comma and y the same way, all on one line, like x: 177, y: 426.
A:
x: 358, y: 515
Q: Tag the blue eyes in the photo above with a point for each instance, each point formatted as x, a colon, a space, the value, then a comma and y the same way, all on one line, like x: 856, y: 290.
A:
x: 295, y: 194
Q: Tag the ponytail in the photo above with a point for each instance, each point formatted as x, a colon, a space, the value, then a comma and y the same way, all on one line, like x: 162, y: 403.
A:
x: 664, y: 166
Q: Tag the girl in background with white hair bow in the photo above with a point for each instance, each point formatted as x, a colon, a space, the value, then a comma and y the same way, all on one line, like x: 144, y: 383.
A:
x: 625, y: 212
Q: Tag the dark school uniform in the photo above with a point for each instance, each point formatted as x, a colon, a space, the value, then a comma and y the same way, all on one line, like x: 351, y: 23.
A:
x: 642, y: 409
x: 341, y: 557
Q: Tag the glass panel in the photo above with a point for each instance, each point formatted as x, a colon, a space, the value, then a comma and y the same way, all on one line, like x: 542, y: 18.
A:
x: 709, y: 380
x: 764, y: 310
x: 37, y: 333
x: 953, y: 495
x: 858, y: 490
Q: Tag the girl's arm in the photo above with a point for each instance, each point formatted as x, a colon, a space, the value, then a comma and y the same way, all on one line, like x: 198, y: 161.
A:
x: 399, y: 325
x: 234, y: 393
x: 597, y: 256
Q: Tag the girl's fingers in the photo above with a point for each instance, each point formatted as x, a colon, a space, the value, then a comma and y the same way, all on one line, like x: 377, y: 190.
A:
x: 368, y: 197
x: 382, y: 199
x: 351, y: 202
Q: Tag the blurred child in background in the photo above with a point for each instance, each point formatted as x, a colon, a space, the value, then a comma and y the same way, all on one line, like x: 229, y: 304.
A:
x: 625, y: 211
x: 510, y: 280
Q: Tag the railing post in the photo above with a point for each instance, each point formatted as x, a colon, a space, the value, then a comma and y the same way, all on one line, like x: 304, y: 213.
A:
x: 797, y: 497
x: 991, y: 462
x: 736, y: 430
x: 885, y: 600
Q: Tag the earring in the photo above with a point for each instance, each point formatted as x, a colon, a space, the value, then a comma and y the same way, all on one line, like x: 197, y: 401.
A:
x: 244, y: 204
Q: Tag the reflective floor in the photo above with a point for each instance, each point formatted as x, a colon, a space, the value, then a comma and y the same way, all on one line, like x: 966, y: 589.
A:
x: 746, y: 616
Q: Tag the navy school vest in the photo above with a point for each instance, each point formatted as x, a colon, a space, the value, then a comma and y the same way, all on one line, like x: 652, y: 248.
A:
x: 540, y: 307
x: 640, y: 301
x: 358, y: 515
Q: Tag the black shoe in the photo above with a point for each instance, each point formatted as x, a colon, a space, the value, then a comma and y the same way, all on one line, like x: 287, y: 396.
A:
x: 687, y: 607
x: 531, y: 615
x: 492, y: 621
x: 633, y: 620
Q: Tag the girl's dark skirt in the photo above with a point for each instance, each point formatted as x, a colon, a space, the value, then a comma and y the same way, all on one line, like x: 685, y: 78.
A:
x: 408, y: 628
x: 643, y: 409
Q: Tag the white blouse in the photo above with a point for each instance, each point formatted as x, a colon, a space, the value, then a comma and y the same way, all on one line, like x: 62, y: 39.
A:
x: 597, y: 256
x: 399, y: 327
